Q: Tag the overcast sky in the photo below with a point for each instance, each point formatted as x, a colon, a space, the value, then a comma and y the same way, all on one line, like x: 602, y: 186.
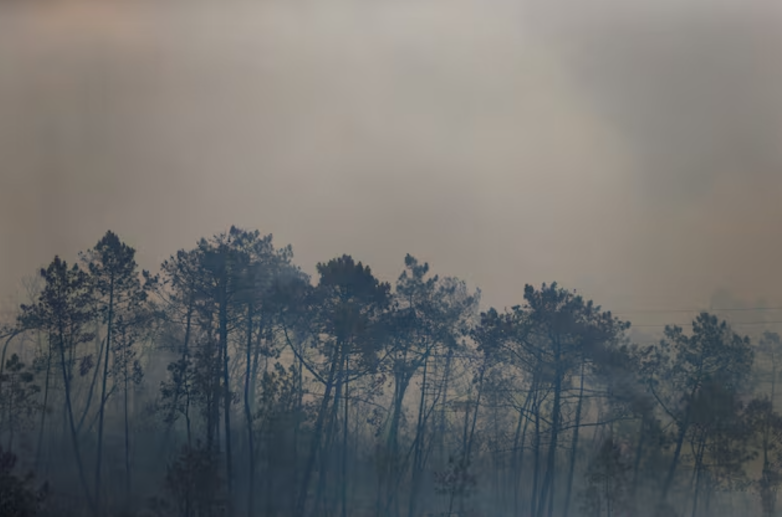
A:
x: 630, y: 150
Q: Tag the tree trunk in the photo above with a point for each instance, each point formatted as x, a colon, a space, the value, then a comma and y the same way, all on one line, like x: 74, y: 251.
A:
x: 102, y: 407
x: 326, y: 451
x: 536, y: 467
x: 390, y: 473
x: 698, y: 471
x: 45, y: 404
x: 127, y: 427
x: 248, y: 416
x: 768, y: 495
x: 418, y: 447
x: 226, y: 393
x: 517, y: 459
x: 211, y: 408
x: 513, y: 485
x: 93, y: 382
x: 471, y: 436
x: 444, y: 405
x: 296, y: 429
x: 301, y: 501
x: 683, y: 427
x: 74, y: 437
x: 639, y: 451
x: 344, y: 485
x: 574, y: 444
x: 548, y: 479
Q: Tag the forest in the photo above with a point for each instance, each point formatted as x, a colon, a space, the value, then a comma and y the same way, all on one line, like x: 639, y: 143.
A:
x: 230, y: 383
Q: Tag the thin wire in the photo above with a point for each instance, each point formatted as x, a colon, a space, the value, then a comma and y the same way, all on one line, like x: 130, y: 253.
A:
x: 771, y: 322
x: 10, y: 314
x: 645, y: 311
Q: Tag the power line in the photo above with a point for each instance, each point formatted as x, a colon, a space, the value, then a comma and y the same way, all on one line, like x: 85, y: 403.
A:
x: 646, y: 311
x: 10, y: 314
x: 770, y: 322
x: 694, y: 311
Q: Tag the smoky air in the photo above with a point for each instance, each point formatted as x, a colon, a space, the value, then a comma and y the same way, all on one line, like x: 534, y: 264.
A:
x: 396, y: 259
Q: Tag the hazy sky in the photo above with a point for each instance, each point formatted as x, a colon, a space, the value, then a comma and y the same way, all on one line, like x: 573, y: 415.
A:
x: 628, y: 149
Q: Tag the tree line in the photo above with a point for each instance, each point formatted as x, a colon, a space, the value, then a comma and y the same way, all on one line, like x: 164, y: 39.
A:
x: 230, y: 383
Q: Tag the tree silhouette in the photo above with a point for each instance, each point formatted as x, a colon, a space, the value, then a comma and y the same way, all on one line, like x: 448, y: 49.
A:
x: 230, y: 384
x: 63, y: 311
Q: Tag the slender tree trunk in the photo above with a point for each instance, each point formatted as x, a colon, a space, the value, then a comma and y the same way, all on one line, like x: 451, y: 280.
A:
x: 185, y: 354
x: 698, y: 472
x: 64, y: 429
x: 548, y: 479
x: 296, y: 430
x: 226, y: 393
x: 10, y: 444
x: 267, y: 484
x: 185, y: 379
x: 518, y: 448
x: 767, y: 492
x: 102, y: 407
x: 418, y: 447
x: 126, y: 421
x: 212, y: 389
x: 513, y: 484
x: 256, y: 353
x: 248, y: 417
x: 45, y: 405
x: 188, y: 425
x: 344, y: 485
x: 674, y: 463
x: 74, y: 437
x: 551, y: 499
x: 390, y: 472
x: 639, y: 452
x: 91, y: 390
x: 536, y: 468
x: 471, y: 436
x: 498, y: 460
x: 574, y: 444
x: 461, y: 467
x: 443, y: 418
x: 326, y: 451
x: 301, y: 501
x: 355, y: 465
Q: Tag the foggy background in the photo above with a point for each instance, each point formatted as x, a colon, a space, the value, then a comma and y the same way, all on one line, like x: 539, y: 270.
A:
x: 629, y: 150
